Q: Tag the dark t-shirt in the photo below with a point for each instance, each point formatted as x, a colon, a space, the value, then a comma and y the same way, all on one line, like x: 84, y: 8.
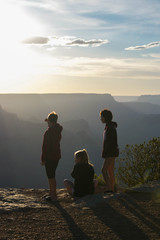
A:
x: 83, y: 174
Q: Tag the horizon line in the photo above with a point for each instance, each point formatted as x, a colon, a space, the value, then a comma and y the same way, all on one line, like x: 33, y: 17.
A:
x: 78, y: 93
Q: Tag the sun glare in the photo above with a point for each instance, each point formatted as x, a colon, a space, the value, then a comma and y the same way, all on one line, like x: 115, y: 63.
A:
x: 15, y: 58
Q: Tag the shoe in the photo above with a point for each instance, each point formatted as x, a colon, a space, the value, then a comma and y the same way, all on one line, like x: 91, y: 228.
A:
x: 44, y: 196
x: 108, y: 192
x: 54, y: 200
x: 48, y: 198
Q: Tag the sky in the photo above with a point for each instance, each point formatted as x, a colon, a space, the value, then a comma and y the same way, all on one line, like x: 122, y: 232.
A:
x: 77, y: 46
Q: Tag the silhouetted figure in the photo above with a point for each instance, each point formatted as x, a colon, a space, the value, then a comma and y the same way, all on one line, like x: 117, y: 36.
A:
x: 83, y: 174
x: 51, y: 152
x: 110, y: 148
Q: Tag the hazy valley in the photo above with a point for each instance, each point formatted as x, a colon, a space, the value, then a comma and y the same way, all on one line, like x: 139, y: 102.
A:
x: 22, y: 126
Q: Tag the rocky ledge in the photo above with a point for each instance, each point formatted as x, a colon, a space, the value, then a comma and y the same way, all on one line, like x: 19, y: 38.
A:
x: 128, y: 215
x: 13, y: 199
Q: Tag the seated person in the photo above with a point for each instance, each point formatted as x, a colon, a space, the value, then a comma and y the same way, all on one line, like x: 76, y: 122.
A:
x: 83, y: 174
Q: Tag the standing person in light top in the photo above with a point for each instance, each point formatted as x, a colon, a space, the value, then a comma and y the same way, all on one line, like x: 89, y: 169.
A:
x: 51, y: 152
x: 83, y: 174
x: 110, y: 148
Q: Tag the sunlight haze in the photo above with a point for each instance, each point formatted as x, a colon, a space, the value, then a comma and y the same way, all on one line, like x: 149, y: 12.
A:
x: 80, y: 46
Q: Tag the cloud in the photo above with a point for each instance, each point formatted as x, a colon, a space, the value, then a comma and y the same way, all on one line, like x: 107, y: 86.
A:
x: 111, y: 67
x: 105, y: 16
x: 64, y: 41
x: 107, y: 68
x: 82, y: 42
x: 153, y: 55
x: 36, y: 40
x: 149, y: 45
x: 105, y: 6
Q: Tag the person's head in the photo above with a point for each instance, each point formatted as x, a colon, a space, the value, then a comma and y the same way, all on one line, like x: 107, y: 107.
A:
x: 52, y: 118
x: 81, y: 156
x: 106, y: 116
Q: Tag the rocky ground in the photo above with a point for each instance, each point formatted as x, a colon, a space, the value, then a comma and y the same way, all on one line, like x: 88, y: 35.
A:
x: 133, y: 214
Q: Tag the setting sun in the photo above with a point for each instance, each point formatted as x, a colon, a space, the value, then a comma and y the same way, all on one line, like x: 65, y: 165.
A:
x: 15, y: 58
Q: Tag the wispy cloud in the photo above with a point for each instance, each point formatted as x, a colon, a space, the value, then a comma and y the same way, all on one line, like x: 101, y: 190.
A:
x: 111, y: 67
x: 65, y: 16
x: 141, y: 47
x: 107, y: 68
x: 107, y: 6
x: 153, y: 55
x: 69, y: 14
x: 64, y: 41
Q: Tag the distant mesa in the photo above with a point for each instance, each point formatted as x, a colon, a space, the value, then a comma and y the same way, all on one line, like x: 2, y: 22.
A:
x: 154, y: 99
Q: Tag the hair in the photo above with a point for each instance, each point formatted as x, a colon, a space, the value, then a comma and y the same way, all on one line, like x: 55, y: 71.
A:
x: 52, y: 117
x: 107, y: 114
x: 83, y: 155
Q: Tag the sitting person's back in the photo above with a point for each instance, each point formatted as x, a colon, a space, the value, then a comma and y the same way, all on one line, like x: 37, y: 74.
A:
x: 83, y: 174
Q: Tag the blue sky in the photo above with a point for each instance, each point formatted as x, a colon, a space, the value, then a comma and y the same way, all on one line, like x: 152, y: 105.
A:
x: 96, y: 46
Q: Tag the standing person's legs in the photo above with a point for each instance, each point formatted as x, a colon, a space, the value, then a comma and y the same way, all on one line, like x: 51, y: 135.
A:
x: 105, y: 167
x: 50, y: 171
x: 111, y: 173
x: 95, y: 182
x: 52, y: 188
x: 69, y: 185
x: 108, y: 173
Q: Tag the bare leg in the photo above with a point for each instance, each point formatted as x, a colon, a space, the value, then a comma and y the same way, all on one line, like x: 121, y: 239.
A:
x: 111, y: 174
x: 52, y: 188
x: 108, y: 173
x: 105, y: 173
x: 69, y: 185
x: 95, y: 181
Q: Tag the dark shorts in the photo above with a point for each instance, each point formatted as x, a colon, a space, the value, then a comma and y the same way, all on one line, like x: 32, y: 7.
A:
x: 51, y: 168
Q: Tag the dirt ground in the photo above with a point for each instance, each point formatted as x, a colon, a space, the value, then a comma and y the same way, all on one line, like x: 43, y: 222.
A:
x: 129, y: 217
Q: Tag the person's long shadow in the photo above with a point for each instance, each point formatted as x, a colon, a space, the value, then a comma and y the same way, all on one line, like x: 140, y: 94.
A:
x: 122, y: 226
x: 73, y: 227
x: 149, y: 220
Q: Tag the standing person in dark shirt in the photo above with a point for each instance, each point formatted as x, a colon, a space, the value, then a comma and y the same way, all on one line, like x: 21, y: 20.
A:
x: 83, y: 174
x: 110, y: 148
x: 51, y: 152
